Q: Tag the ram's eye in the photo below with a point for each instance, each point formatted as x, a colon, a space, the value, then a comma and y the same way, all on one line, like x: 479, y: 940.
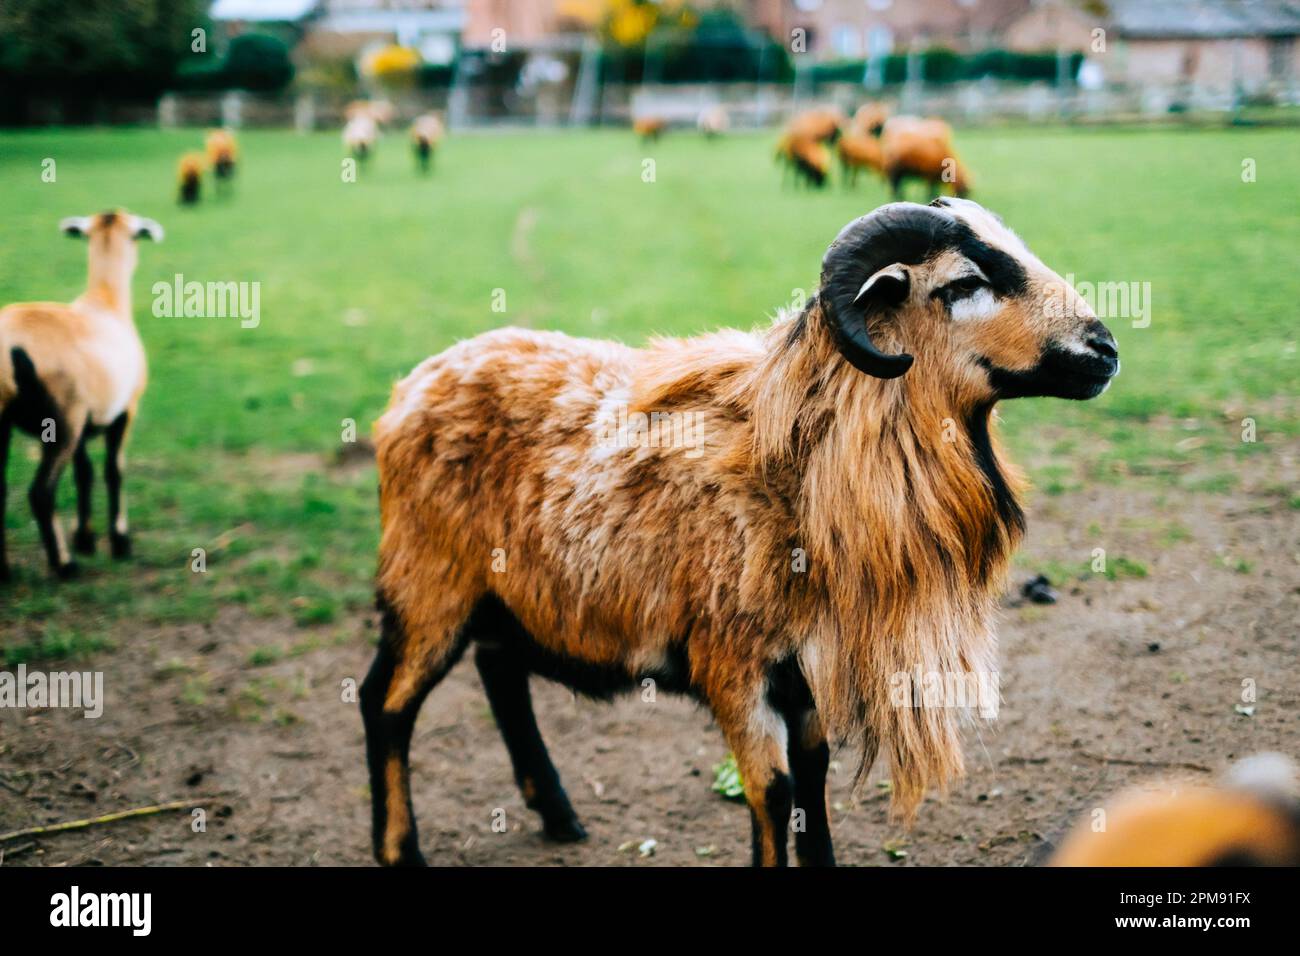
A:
x: 965, y: 286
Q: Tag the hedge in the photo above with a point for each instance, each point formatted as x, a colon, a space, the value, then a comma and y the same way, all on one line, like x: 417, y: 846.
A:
x: 941, y: 65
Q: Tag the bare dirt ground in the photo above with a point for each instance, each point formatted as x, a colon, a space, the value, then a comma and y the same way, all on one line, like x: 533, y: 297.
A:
x: 1122, y: 680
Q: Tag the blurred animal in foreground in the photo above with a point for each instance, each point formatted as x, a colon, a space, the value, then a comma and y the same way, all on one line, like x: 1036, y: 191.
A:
x: 914, y: 148
x: 649, y: 128
x: 69, y: 373
x: 647, y: 534
x: 189, y: 176
x: 359, y: 136
x: 713, y: 121
x: 222, y: 154
x: 1250, y: 818
x: 426, y: 134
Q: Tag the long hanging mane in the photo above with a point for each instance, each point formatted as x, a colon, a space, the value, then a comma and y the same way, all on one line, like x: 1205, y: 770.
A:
x: 910, y: 516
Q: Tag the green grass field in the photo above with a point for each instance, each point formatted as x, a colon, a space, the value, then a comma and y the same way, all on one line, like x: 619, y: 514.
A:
x: 359, y: 281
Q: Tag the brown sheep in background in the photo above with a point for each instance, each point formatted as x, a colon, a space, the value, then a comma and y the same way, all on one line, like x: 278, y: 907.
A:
x: 222, y: 154
x: 858, y: 151
x: 189, y: 177
x: 870, y: 118
x: 847, y: 520
x: 426, y: 134
x: 802, y: 147
x: 808, y: 159
x: 77, y: 371
x: 921, y: 149
x: 822, y: 124
x: 359, y: 136
x: 649, y: 128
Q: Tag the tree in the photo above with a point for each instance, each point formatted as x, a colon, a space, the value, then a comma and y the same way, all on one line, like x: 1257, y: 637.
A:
x: 257, y: 62
x: 92, y: 49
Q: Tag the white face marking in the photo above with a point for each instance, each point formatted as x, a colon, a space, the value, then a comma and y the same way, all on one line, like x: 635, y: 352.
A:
x: 981, y: 305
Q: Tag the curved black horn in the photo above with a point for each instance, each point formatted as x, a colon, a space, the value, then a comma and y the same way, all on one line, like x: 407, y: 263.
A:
x: 901, y: 232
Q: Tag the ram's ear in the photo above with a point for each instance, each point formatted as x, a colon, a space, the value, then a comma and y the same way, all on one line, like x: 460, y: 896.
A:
x: 76, y: 226
x: 142, y: 228
x: 888, y: 286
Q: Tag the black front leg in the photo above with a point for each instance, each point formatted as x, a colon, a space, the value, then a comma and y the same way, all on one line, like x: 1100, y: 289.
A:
x: 810, y: 756
x: 119, y: 537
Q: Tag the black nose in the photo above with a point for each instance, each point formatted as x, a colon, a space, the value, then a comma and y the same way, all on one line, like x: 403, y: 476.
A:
x: 1103, y: 343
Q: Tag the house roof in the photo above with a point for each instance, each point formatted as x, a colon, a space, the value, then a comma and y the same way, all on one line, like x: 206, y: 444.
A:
x: 1204, y: 18
x: 288, y: 11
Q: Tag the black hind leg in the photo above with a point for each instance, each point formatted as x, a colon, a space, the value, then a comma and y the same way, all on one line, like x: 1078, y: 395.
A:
x: 83, y: 540
x: 406, y: 667
x: 506, y: 681
x: 55, y: 455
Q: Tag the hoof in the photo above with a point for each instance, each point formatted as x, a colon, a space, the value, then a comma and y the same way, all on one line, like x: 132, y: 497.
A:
x: 83, y: 542
x: 409, y: 856
x: 567, y: 830
x: 121, y: 545
x: 68, y: 571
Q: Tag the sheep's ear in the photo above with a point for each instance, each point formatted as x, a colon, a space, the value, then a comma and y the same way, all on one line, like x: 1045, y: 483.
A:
x: 142, y: 228
x: 76, y: 226
x: 889, y: 286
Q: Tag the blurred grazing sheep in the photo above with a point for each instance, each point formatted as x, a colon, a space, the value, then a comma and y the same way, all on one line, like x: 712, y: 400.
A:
x: 807, y: 159
x: 359, y: 136
x: 822, y: 124
x: 189, y: 176
x: 858, y: 151
x: 870, y: 118
x: 921, y: 149
x: 426, y: 134
x: 649, y: 128
x: 713, y: 121
x: 222, y: 154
